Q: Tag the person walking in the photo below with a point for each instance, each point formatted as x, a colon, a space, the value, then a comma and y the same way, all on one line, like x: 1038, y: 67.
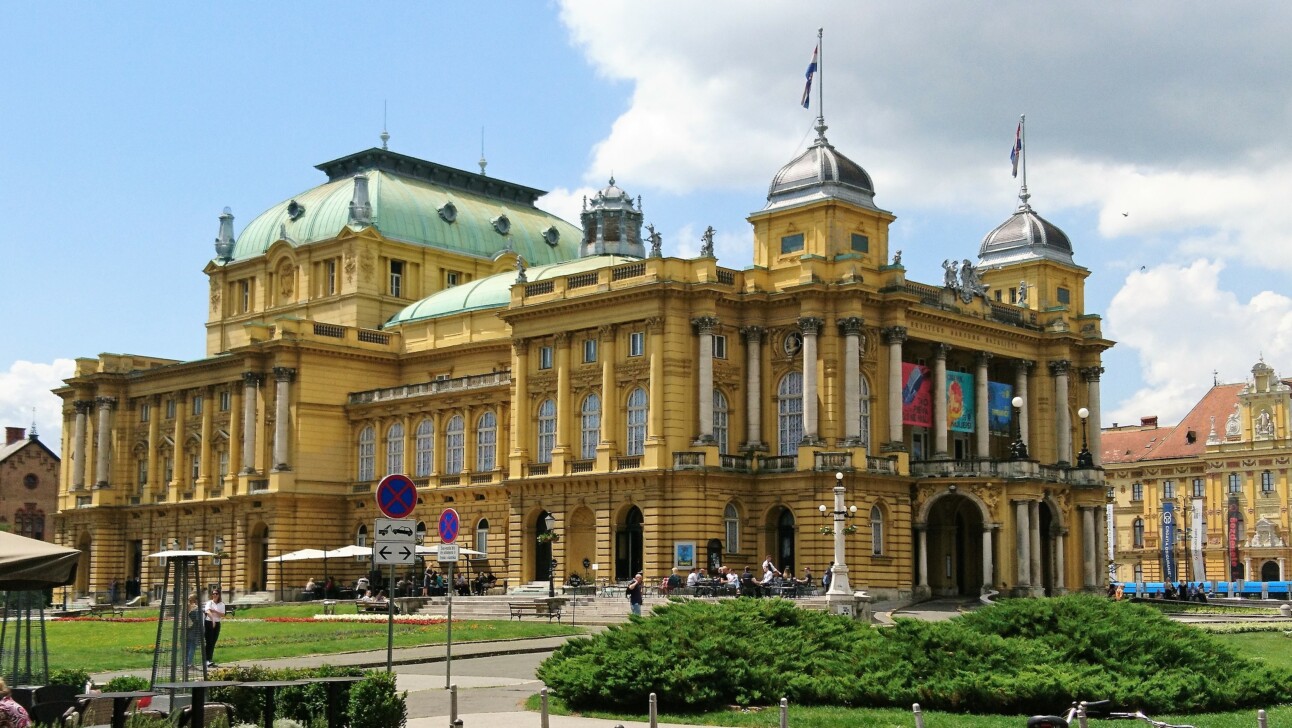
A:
x: 214, y: 611
x: 193, y: 633
x: 634, y: 592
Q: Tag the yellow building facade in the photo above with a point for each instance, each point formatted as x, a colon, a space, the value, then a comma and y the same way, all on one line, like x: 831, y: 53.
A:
x: 1222, y: 472
x: 406, y: 317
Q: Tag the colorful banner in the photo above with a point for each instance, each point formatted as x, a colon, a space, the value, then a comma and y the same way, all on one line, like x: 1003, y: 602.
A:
x: 1000, y: 408
x: 1235, y: 522
x: 917, y: 395
x: 1168, y: 540
x: 960, y: 402
x: 1199, y: 527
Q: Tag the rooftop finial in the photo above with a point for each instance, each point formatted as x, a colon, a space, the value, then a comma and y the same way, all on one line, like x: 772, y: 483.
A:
x: 224, y: 240
x: 483, y: 163
x: 32, y: 434
x: 385, y: 136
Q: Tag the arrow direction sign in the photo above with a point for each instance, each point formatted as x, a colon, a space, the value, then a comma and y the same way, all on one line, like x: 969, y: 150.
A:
x: 392, y: 553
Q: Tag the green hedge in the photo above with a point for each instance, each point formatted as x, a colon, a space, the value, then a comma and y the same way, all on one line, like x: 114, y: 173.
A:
x: 1022, y: 656
x: 372, y: 702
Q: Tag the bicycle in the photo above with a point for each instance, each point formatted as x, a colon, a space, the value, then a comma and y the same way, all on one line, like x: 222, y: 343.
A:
x: 1094, y: 709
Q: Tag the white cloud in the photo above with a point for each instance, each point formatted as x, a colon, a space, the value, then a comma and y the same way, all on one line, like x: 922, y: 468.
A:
x: 565, y: 203
x: 1183, y: 326
x: 26, y: 386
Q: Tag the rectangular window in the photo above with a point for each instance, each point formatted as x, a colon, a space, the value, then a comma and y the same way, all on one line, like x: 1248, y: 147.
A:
x: 452, y: 278
x: 1168, y: 490
x: 1235, y: 483
x: 226, y: 400
x: 195, y: 467
x: 244, y: 296
x: 197, y: 405
x: 330, y: 277
x: 397, y: 278
x: 719, y: 346
x: 170, y: 469
x: 1267, y: 482
x: 997, y: 295
x: 142, y: 470
x: 860, y: 243
x: 144, y: 412
x: 636, y: 343
x: 1064, y: 295
x: 170, y: 409
x: 443, y: 377
x: 1137, y: 491
x: 224, y: 464
x: 1199, y: 488
x: 544, y: 357
x: 589, y: 350
x: 1013, y: 295
x: 792, y: 243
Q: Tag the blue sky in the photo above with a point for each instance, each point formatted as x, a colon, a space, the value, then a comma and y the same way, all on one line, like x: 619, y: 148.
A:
x: 1156, y: 137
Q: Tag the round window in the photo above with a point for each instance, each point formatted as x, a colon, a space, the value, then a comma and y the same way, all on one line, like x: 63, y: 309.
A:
x: 31, y: 481
x: 552, y: 236
x: 448, y: 212
x: 502, y: 224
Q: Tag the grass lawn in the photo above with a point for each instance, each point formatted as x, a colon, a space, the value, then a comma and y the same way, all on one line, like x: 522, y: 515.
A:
x: 109, y: 644
x: 1272, y: 648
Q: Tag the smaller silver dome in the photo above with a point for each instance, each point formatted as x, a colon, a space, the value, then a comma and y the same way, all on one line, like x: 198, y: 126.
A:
x: 818, y: 173
x: 1025, y: 236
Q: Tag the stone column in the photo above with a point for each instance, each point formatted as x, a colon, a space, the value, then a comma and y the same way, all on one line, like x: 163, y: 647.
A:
x: 1062, y: 418
x: 1060, y: 583
x: 250, y: 383
x: 1101, y: 545
x: 982, y: 423
x: 83, y: 407
x: 1022, y: 544
x: 610, y: 403
x: 987, y: 565
x: 810, y: 326
x: 179, y: 475
x: 922, y: 529
x: 1091, y: 375
x: 893, y: 337
x: 154, y: 445
x: 1034, y: 533
x: 103, y: 440
x: 520, y: 413
x: 235, y: 434
x: 1088, y: 547
x: 940, y: 400
x: 283, y: 377
x: 207, y: 466
x: 1022, y: 368
x: 655, y: 404
x: 705, y: 326
x: 562, y: 397
x: 754, y: 391
x: 853, y: 342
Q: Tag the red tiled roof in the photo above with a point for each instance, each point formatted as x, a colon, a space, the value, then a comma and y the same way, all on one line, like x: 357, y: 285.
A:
x: 1185, y: 440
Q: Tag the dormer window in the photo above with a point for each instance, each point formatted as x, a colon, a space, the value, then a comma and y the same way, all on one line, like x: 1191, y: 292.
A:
x: 448, y: 212
x: 502, y: 225
x: 295, y: 210
x: 552, y: 236
x: 792, y: 243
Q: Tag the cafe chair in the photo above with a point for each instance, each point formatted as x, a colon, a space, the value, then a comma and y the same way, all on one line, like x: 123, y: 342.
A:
x: 51, y: 693
x: 51, y: 712
x: 90, y: 712
x: 213, y: 712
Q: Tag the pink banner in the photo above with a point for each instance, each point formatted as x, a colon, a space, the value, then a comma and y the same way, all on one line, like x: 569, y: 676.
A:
x: 917, y: 395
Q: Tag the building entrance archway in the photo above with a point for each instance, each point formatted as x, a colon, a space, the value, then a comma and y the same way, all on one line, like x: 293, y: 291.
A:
x: 542, y: 549
x: 1270, y: 571
x: 782, y: 549
x: 954, y: 541
x: 628, y: 545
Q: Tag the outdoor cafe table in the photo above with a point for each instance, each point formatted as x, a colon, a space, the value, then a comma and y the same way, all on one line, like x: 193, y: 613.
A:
x: 333, y: 686
x: 270, y: 687
x: 198, y: 687
x: 120, y: 701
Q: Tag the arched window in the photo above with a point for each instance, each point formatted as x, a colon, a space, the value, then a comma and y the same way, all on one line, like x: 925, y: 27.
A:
x: 636, y: 422
x: 486, y: 441
x: 731, y: 519
x: 590, y: 427
x: 482, y: 536
x: 790, y: 417
x: 721, y: 431
x: 876, y: 531
x: 361, y: 536
x: 454, y: 445
x: 546, y: 431
x: 395, y: 449
x: 1137, y: 533
x: 863, y: 408
x: 367, y: 453
x: 424, y: 448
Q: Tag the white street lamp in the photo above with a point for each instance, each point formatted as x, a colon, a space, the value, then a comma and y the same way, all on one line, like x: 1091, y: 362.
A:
x: 840, y: 592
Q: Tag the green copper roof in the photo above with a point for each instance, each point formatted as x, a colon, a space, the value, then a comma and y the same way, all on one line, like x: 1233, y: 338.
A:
x: 494, y: 291
x: 408, y: 196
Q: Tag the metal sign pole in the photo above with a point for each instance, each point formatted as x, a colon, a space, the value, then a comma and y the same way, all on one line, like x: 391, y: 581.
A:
x: 448, y: 644
x: 390, y: 621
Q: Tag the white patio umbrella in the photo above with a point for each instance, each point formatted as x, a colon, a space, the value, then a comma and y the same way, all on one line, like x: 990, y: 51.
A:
x: 302, y: 555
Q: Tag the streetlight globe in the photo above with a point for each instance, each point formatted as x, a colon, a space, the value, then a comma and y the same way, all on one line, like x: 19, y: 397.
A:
x: 1083, y: 413
x: 838, y: 477
x: 852, y: 510
x: 1017, y: 402
x: 821, y: 508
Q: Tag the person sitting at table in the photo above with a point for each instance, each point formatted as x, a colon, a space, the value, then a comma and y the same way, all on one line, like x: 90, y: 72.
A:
x: 12, y: 715
x: 748, y: 586
x: 692, y: 578
x: 675, y: 580
x: 733, y: 579
x: 362, y: 585
x: 310, y: 585
x: 329, y: 588
x: 460, y: 585
x: 367, y: 596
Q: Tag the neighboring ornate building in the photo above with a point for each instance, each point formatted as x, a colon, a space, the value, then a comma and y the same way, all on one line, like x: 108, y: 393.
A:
x: 406, y: 317
x: 28, y: 484
x: 1223, y: 475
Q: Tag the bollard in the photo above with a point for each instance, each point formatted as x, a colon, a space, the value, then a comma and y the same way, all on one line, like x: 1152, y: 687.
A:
x: 654, y: 712
x: 1260, y: 719
x: 453, y: 706
x: 1081, y: 714
x: 542, y: 716
x: 919, y: 716
x: 785, y: 713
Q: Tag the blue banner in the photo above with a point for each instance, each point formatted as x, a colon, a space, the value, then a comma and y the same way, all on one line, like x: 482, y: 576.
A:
x: 960, y: 402
x: 1000, y: 410
x: 1168, y: 540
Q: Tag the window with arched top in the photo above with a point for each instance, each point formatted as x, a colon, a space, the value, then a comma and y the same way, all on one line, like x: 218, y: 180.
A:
x: 454, y: 445
x: 395, y: 449
x: 721, y: 422
x: 789, y: 428
x: 361, y: 536
x: 367, y: 453
x: 863, y: 410
x: 424, y: 448
x: 589, y: 427
x: 546, y: 431
x: 482, y: 536
x: 635, y: 424
x: 731, y: 522
x: 1137, y: 533
x: 486, y: 441
x: 876, y: 531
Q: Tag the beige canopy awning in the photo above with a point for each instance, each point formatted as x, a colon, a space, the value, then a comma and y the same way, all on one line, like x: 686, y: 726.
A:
x: 26, y: 563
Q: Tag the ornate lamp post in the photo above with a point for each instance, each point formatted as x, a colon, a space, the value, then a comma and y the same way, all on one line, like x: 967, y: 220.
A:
x: 1018, y: 450
x: 839, y: 594
x: 218, y: 561
x: 1084, y: 458
x: 549, y: 521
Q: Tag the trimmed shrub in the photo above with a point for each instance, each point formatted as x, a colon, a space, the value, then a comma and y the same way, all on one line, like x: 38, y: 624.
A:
x: 126, y: 683
x: 374, y: 703
x: 304, y: 704
x: 75, y: 677
x: 1022, y: 656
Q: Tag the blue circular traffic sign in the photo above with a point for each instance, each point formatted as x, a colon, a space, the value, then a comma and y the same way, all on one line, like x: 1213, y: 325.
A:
x: 396, y: 496
x: 448, y: 526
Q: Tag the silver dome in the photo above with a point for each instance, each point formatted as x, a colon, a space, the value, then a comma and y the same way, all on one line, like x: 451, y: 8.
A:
x: 821, y: 172
x: 1025, y: 236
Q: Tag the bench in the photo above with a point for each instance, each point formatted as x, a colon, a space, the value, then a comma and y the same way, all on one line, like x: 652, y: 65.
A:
x: 367, y: 607
x: 551, y: 610
x: 99, y: 610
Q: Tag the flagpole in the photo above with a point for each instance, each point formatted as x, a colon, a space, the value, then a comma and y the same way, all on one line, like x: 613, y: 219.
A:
x: 1022, y: 125
x: 820, y: 69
